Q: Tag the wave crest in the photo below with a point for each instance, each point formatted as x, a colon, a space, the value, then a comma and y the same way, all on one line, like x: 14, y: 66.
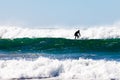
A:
x: 100, y: 32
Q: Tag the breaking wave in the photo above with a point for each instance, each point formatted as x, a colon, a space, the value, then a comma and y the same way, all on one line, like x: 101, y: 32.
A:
x: 80, y: 69
x: 87, y: 33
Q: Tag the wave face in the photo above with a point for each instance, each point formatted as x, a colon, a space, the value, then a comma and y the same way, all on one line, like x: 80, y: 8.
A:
x: 99, y: 32
x: 81, y: 69
x: 60, y: 45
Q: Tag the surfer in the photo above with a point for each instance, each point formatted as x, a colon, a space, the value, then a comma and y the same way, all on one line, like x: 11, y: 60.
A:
x: 77, y: 34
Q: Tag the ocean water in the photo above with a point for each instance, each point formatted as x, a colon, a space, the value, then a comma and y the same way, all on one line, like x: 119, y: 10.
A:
x: 54, y: 54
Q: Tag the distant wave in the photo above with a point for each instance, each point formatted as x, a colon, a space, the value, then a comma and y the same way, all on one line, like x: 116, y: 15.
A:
x: 100, y: 32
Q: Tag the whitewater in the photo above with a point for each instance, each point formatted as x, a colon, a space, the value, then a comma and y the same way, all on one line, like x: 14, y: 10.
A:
x: 54, y: 69
x: 96, y: 32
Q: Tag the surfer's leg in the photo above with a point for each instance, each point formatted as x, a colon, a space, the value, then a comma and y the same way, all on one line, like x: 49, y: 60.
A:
x: 75, y: 37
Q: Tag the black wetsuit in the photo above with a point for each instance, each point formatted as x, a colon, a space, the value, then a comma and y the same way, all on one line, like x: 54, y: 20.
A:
x: 77, y: 34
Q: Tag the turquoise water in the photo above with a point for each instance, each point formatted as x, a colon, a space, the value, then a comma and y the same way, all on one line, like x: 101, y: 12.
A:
x: 61, y: 48
x: 60, y: 44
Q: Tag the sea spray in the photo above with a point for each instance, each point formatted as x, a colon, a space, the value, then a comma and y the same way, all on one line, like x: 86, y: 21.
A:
x: 98, y: 32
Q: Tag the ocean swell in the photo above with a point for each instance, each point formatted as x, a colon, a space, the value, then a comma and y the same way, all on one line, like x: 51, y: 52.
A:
x: 58, y: 45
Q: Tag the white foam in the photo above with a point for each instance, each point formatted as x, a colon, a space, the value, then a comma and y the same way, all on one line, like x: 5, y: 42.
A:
x: 82, y: 69
x: 96, y: 32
